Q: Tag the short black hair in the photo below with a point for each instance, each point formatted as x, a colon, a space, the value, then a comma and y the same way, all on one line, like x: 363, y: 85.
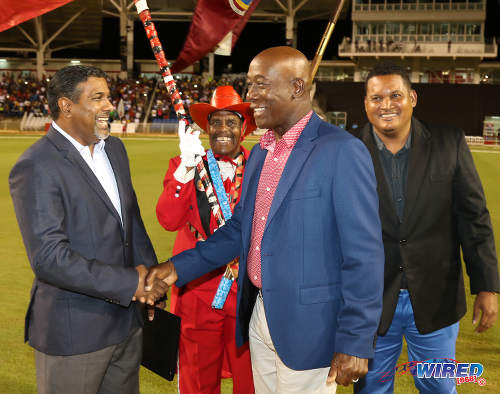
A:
x: 388, y: 68
x: 64, y: 84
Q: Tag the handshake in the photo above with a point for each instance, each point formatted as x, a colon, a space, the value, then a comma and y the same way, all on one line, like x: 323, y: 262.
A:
x: 154, y: 283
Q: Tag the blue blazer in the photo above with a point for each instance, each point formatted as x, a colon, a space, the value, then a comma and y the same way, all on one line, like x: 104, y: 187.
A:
x: 322, y: 253
x: 82, y: 256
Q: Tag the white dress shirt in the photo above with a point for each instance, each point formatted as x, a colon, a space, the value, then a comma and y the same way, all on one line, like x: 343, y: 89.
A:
x: 100, y: 166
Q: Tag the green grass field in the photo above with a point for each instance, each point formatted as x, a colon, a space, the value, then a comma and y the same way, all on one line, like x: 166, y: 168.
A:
x: 149, y: 159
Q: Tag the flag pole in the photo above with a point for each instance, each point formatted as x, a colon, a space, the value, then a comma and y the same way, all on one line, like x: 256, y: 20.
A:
x: 145, y: 16
x: 325, y: 39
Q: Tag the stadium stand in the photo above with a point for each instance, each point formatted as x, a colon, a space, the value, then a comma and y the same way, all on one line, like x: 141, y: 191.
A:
x: 135, y: 100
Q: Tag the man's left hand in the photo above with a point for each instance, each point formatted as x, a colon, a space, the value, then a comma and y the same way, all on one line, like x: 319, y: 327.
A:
x: 487, y: 303
x: 346, y: 369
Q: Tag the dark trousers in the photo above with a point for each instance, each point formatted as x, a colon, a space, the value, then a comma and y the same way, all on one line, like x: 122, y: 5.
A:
x: 112, y: 370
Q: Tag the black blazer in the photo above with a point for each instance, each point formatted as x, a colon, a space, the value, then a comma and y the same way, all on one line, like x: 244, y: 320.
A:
x: 445, y: 209
x: 82, y: 257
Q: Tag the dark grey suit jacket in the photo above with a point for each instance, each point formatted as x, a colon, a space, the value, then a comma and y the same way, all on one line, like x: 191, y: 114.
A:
x: 445, y: 209
x: 82, y: 257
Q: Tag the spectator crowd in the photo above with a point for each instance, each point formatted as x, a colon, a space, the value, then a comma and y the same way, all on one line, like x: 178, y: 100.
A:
x: 22, y: 94
x: 132, y: 98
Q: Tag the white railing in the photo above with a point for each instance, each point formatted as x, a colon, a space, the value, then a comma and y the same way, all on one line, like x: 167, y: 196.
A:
x: 416, y: 49
x: 34, y: 123
x: 465, y: 6
x: 158, y: 128
x: 11, y: 124
x: 430, y: 38
x: 474, y: 140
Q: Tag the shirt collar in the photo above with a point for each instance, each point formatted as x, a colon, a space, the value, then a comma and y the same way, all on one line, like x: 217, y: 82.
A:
x: 381, y: 145
x: 290, y: 137
x: 79, y: 147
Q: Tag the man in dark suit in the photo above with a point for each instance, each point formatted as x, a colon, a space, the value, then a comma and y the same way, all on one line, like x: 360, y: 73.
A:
x: 86, y: 244
x: 431, y: 205
x: 309, y: 239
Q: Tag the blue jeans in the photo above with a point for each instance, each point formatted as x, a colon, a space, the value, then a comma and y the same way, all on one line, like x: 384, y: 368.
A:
x: 438, y: 345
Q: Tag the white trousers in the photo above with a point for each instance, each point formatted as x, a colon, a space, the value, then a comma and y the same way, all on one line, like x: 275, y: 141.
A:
x: 270, y: 375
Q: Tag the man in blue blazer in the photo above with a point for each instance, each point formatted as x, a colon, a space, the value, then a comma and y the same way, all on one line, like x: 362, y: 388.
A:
x: 86, y: 244
x: 309, y: 239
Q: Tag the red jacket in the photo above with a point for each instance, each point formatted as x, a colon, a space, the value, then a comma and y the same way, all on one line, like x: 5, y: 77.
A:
x: 178, y: 210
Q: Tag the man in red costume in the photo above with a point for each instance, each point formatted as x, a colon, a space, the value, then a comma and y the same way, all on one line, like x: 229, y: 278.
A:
x: 207, y: 348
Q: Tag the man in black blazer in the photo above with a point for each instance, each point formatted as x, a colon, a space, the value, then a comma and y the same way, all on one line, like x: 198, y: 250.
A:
x: 86, y: 244
x: 431, y: 205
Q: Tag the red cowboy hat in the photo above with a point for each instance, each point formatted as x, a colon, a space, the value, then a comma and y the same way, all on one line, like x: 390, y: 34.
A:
x: 224, y: 98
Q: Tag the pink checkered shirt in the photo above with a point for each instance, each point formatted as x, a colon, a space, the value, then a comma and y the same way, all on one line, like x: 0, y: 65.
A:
x: 276, y: 158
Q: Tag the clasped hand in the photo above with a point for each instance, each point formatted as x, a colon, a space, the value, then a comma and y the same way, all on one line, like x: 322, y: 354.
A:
x: 153, y: 285
x: 149, y: 292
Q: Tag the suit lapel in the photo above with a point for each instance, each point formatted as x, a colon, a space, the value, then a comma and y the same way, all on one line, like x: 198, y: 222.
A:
x: 417, y: 165
x: 386, y: 210
x: 73, y: 156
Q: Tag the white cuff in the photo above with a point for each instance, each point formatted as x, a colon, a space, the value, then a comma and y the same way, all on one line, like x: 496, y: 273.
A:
x: 141, y: 5
x: 182, y: 175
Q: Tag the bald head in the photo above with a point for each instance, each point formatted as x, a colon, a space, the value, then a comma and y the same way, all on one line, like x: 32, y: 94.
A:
x: 289, y: 62
x: 279, y: 88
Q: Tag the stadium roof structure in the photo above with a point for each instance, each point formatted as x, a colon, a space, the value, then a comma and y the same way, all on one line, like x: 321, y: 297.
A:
x: 79, y: 23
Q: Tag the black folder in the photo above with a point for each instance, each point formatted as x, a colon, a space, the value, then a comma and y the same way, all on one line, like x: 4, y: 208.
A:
x: 161, y: 343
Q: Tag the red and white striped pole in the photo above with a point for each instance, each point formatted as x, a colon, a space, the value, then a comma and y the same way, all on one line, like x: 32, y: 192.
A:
x: 145, y: 15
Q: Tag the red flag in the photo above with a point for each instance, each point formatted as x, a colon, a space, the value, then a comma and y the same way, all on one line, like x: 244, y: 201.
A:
x: 14, y: 12
x: 212, y: 20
